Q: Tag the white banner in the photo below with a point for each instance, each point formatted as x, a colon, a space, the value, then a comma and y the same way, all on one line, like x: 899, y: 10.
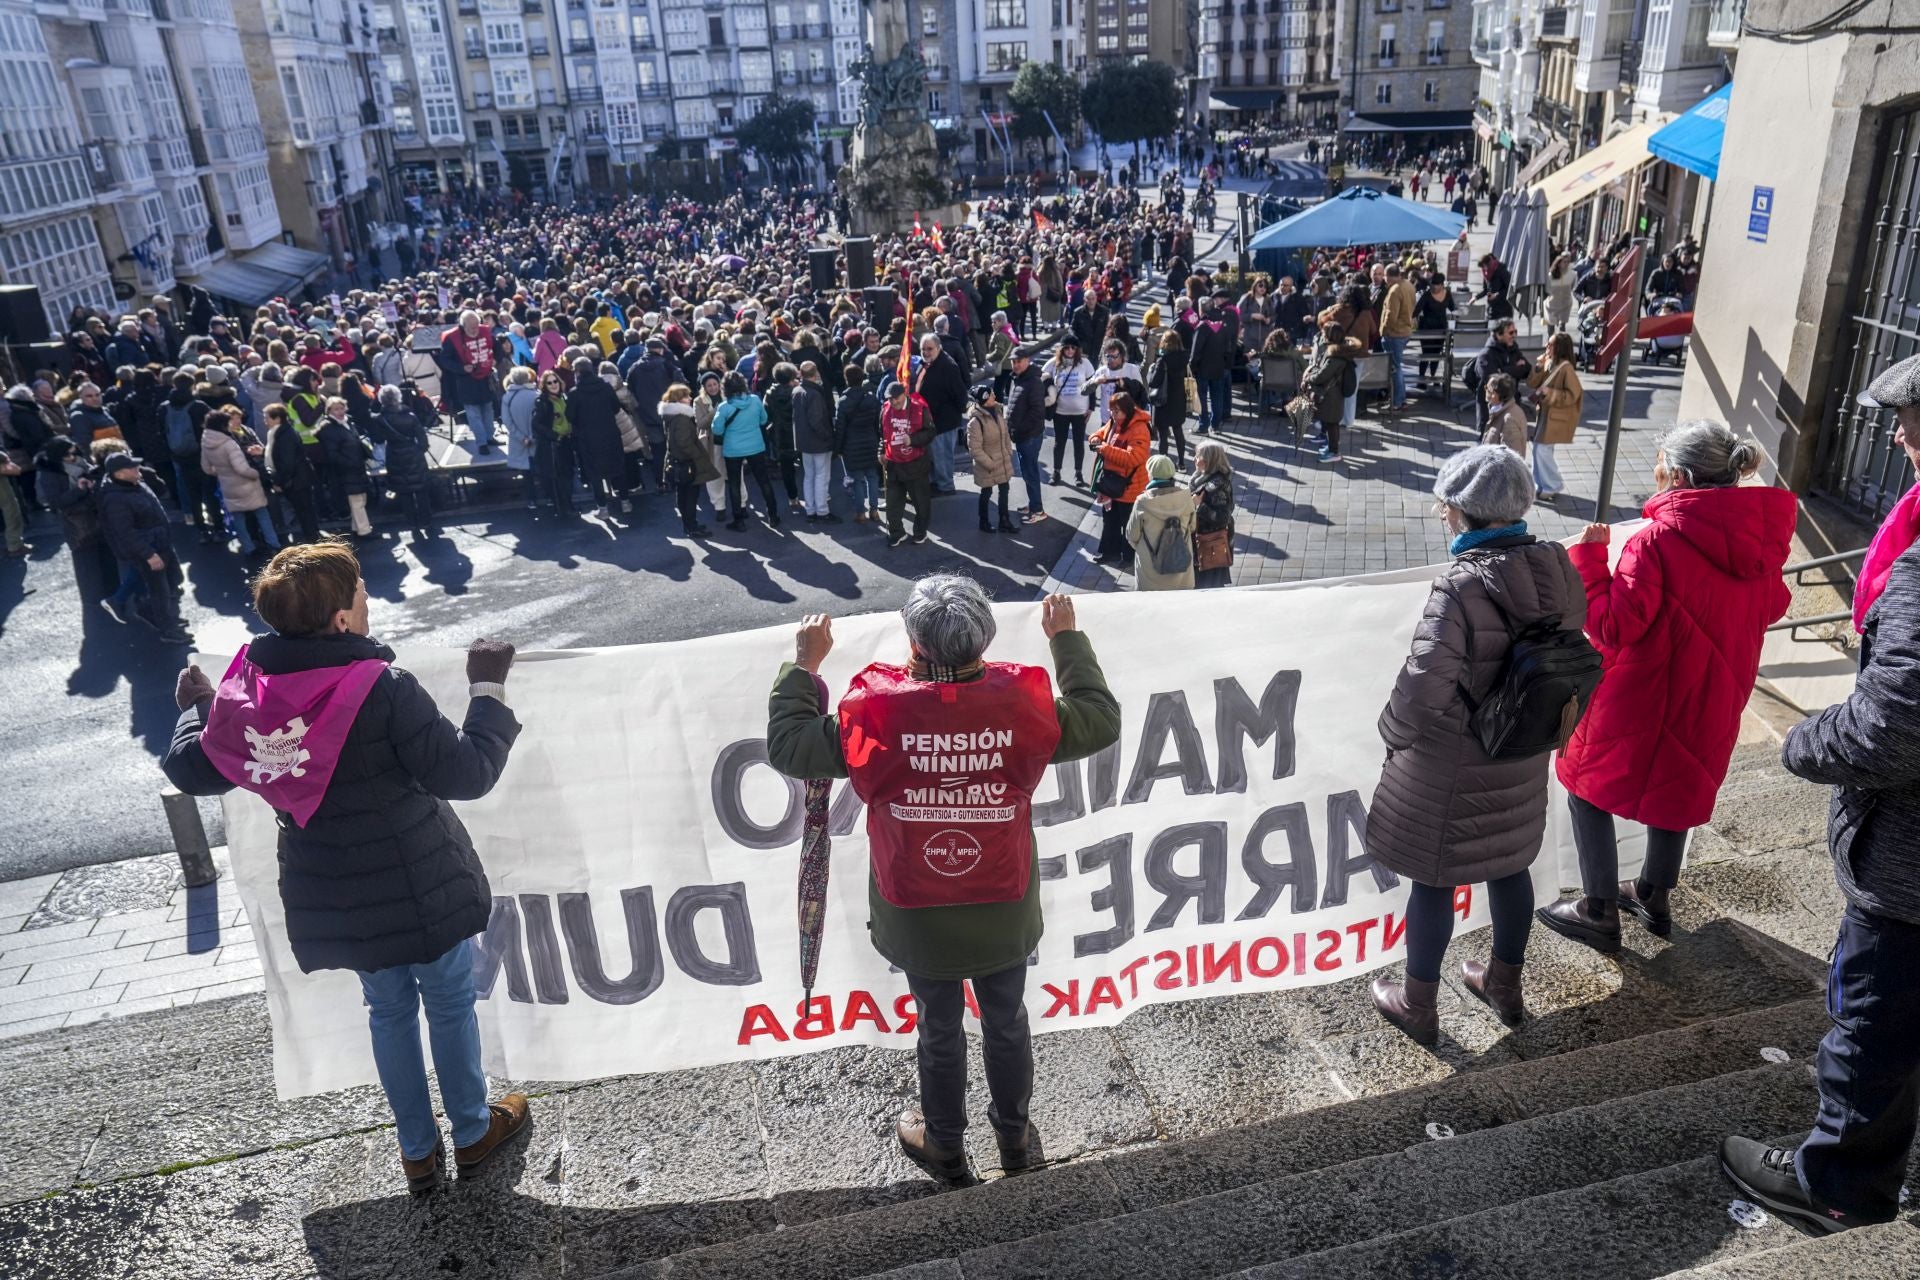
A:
x: 644, y: 856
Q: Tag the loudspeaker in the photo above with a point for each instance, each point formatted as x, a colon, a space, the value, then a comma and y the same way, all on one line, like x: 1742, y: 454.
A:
x: 51, y: 355
x: 880, y: 299
x: 22, y: 320
x: 822, y: 267
x: 859, y: 261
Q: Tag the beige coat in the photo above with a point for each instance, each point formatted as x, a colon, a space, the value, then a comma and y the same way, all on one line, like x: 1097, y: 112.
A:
x: 1159, y: 515
x: 225, y: 459
x: 1560, y: 394
x: 990, y: 446
x: 1508, y: 426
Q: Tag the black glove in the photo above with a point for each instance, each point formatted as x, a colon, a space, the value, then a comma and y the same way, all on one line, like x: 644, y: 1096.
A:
x: 488, y: 661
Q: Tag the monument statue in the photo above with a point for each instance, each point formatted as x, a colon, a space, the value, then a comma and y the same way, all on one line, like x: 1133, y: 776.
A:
x: 894, y: 173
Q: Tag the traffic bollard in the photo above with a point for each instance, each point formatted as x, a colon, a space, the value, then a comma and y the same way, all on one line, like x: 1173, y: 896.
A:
x: 189, y: 837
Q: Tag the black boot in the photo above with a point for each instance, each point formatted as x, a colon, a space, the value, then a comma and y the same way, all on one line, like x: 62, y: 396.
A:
x: 1641, y: 899
x: 1589, y: 920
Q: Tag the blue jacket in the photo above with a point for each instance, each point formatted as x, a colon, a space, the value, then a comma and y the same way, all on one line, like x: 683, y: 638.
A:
x: 740, y: 427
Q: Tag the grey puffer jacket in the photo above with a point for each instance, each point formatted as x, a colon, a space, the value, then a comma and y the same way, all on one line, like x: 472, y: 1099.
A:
x: 1445, y: 814
x: 1868, y: 749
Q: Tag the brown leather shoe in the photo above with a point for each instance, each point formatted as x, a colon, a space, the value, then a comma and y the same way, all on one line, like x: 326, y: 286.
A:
x: 1497, y: 983
x: 1653, y: 909
x: 1412, y: 1006
x: 424, y: 1174
x: 911, y: 1129
x: 509, y: 1117
x: 1587, y: 920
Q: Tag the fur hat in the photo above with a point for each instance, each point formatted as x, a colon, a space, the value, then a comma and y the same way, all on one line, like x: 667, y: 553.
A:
x: 1489, y: 482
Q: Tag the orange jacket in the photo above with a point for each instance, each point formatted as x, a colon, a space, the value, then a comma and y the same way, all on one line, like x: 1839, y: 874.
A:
x: 1123, y: 448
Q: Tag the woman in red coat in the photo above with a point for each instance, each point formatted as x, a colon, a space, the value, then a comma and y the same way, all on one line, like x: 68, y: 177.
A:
x: 1679, y: 622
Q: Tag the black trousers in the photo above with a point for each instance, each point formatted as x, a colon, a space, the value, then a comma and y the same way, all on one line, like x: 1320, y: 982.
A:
x: 1167, y: 423
x: 1069, y: 426
x: 306, y: 512
x: 737, y: 470
x: 1600, y: 856
x: 917, y: 489
x: 562, y: 461
x: 1005, y: 1044
x: 686, y: 496
x: 417, y: 505
x: 1868, y: 1069
x: 1113, y: 531
x: 986, y: 504
x: 790, y: 476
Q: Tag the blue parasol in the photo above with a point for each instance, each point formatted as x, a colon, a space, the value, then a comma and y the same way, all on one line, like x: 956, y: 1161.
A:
x: 1360, y: 215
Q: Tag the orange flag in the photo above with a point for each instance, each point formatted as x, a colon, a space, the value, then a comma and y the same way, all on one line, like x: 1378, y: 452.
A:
x: 1041, y: 222
x: 905, y: 370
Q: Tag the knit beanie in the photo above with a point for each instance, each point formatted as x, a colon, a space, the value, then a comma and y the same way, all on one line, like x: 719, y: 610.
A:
x: 1489, y: 482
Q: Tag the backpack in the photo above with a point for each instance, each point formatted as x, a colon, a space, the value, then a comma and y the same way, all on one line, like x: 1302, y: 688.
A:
x: 180, y: 438
x: 1545, y: 685
x: 1349, y: 380
x: 1172, y: 554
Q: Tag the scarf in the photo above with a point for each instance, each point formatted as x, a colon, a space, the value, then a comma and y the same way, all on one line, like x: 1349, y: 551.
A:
x: 561, y: 427
x: 1464, y: 542
x: 920, y: 669
x: 1896, y: 533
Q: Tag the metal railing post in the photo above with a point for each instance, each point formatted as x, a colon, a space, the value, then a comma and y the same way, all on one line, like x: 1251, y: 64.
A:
x: 189, y: 837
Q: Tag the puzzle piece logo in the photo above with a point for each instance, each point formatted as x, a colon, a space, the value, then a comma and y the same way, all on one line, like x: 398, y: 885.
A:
x: 277, y: 754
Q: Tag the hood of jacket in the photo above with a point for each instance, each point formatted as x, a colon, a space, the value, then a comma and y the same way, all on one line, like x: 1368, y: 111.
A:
x: 180, y: 397
x: 280, y: 655
x: 674, y: 409
x: 1521, y: 574
x: 1745, y: 531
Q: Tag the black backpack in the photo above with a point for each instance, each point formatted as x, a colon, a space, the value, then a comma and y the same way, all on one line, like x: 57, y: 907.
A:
x: 1545, y: 685
x: 1349, y: 380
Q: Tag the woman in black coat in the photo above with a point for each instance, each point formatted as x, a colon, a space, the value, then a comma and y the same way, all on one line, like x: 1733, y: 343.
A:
x: 290, y: 468
x: 592, y: 409
x: 1167, y: 397
x: 1212, y: 489
x: 405, y: 437
x: 1432, y: 316
x: 65, y: 483
x: 345, y: 455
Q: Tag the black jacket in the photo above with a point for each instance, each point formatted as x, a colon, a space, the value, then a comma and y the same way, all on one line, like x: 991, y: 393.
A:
x: 1496, y: 358
x: 813, y: 418
x: 134, y: 522
x: 288, y: 464
x: 593, y: 409
x: 1167, y: 387
x: 346, y: 456
x: 856, y: 430
x: 944, y: 387
x: 1868, y: 749
x: 1090, y: 327
x: 406, y: 442
x: 648, y: 378
x: 1212, y: 353
x: 383, y: 874
x: 1026, y: 406
x: 57, y: 490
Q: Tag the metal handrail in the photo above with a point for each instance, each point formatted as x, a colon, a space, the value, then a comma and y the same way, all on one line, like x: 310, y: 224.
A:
x: 1822, y: 561
x: 1788, y: 624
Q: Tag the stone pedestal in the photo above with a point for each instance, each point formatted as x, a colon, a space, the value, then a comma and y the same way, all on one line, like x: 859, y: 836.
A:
x: 894, y: 171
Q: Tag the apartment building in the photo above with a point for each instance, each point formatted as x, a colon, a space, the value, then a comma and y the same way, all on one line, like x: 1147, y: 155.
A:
x: 978, y: 48
x: 131, y: 157
x: 1412, y: 71
x: 1284, y: 60
x: 326, y: 108
x: 1156, y: 30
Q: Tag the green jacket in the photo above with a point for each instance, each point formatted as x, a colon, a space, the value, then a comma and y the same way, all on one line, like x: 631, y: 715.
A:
x: 803, y: 741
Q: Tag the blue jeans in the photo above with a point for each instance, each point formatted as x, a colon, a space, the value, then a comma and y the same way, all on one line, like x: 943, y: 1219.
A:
x: 394, y: 997
x: 480, y: 422
x: 1396, y: 358
x: 1216, y: 401
x: 1027, y: 457
x: 941, y: 451
x: 866, y: 490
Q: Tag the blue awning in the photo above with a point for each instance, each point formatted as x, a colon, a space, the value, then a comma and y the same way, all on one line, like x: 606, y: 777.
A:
x: 1693, y: 141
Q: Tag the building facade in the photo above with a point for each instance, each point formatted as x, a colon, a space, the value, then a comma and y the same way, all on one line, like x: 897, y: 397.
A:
x: 982, y: 44
x: 1156, y: 30
x: 132, y: 157
x: 1282, y: 60
x: 325, y: 106
x: 1412, y: 69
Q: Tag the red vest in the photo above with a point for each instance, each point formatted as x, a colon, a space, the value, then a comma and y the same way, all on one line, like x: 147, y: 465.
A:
x: 947, y: 772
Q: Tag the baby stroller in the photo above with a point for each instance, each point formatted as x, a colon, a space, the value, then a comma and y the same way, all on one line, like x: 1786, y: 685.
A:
x: 1658, y: 349
x: 1590, y: 323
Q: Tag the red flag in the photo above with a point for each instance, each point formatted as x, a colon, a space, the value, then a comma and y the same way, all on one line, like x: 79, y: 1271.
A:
x: 918, y: 234
x: 1041, y: 222
x: 939, y: 243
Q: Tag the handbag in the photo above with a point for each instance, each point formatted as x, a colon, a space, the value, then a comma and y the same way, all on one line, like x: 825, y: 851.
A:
x: 1193, y: 393
x: 1212, y: 550
x: 1107, y: 482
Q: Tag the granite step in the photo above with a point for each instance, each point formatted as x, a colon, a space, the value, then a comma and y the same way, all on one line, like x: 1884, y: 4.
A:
x: 1421, y: 1186
x: 1636, y: 1227
x: 1890, y: 1252
x: 1070, y: 1195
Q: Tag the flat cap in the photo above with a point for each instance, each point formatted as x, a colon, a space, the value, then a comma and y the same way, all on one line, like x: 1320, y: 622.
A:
x: 1898, y: 387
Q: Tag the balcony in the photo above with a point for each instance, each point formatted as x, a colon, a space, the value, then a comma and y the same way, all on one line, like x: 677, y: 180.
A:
x: 1724, y: 23
x: 786, y: 31
x: 585, y: 93
x: 756, y: 85
x: 651, y: 132
x: 549, y: 97
x: 824, y: 75
x: 1386, y: 61
x: 468, y: 8
x: 538, y: 49
x: 936, y: 74
x: 483, y: 102
x: 816, y: 30
x: 1388, y: 6
x: 723, y: 85
x: 788, y: 76
x: 1553, y: 22
x: 692, y: 129
x: 642, y: 44
x: 475, y: 52
x: 533, y: 6
x: 579, y: 44
x: 1436, y: 57
x: 656, y: 89
x: 522, y: 142
x: 1249, y: 44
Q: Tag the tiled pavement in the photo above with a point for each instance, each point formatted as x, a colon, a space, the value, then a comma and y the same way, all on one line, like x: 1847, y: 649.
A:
x: 120, y: 938
x: 1300, y: 518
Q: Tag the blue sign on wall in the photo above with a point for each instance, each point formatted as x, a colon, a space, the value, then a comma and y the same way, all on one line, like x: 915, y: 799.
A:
x: 1760, y: 215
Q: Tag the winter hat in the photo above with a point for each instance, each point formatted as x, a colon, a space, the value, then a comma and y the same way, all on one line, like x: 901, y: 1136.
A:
x: 215, y: 375
x: 1160, y: 468
x: 1152, y: 319
x: 1489, y: 482
x: 118, y: 462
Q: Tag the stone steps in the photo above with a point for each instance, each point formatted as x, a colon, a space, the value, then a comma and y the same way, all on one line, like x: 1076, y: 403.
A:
x: 1890, y: 1252
x: 1216, y: 1195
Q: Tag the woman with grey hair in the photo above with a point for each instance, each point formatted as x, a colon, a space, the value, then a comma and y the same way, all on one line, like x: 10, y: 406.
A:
x: 1445, y: 813
x: 1679, y: 621
x: 400, y: 429
x: 953, y: 890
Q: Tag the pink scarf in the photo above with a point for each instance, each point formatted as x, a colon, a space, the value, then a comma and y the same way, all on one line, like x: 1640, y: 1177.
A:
x: 279, y: 736
x: 1895, y: 535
